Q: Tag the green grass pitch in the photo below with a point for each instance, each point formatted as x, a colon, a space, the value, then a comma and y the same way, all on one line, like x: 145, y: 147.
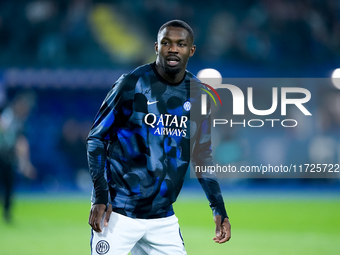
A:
x: 259, y: 226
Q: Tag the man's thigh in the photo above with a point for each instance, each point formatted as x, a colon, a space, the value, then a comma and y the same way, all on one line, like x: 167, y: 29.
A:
x: 162, y: 236
x: 118, y: 238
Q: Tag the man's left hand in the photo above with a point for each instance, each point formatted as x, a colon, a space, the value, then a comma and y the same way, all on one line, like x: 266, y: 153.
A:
x: 223, y: 230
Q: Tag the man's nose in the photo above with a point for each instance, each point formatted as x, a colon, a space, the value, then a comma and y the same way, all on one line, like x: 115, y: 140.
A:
x: 173, y: 48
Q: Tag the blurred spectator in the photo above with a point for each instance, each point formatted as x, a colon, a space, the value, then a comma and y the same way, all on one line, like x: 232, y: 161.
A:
x: 279, y: 33
x: 73, y: 145
x: 14, y: 147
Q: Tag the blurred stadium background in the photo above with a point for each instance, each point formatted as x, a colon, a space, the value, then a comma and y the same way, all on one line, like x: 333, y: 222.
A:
x: 69, y: 53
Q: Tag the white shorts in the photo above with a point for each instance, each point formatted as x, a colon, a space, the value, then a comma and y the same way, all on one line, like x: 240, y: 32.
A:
x: 140, y: 236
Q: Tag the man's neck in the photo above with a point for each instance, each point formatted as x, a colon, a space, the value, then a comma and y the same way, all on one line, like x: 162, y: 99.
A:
x: 176, y: 78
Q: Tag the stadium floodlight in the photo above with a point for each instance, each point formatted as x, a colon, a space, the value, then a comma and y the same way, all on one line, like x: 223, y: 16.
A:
x: 336, y: 78
x: 210, y: 76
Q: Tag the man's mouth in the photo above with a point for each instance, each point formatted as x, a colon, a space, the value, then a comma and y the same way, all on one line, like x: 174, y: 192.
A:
x: 172, y: 60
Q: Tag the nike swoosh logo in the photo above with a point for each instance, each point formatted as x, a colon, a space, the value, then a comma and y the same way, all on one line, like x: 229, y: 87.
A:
x: 151, y: 102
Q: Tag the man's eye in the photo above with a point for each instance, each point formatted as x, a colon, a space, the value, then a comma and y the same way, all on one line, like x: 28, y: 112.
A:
x: 182, y: 44
x: 164, y: 43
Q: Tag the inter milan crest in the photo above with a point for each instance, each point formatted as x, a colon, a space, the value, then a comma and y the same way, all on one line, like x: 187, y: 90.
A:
x: 102, y: 247
x: 187, y: 106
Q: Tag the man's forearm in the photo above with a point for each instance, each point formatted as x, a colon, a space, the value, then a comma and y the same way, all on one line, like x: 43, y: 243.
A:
x: 96, y: 155
x: 214, y: 195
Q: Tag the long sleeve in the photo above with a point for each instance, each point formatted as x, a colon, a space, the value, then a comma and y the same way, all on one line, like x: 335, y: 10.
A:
x: 105, y: 122
x: 202, y: 157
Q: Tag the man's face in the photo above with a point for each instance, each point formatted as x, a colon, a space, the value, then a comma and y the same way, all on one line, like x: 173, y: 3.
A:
x: 174, y: 46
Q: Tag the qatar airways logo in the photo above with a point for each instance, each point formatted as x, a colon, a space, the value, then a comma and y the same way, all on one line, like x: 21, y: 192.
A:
x: 239, y: 105
x: 167, y: 124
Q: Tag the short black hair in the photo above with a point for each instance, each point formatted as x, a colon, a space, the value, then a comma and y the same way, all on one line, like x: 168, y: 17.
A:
x: 178, y: 23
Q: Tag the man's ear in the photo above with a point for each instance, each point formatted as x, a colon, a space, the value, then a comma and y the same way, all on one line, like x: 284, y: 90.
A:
x: 156, y: 48
x: 192, y: 50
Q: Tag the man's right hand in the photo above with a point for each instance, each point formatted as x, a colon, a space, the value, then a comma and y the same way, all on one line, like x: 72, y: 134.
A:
x: 96, y: 214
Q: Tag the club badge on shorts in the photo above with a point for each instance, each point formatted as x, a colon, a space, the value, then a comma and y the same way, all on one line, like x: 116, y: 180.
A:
x: 102, y: 247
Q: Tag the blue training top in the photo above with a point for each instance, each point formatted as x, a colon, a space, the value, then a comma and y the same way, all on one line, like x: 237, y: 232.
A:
x: 142, y: 140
